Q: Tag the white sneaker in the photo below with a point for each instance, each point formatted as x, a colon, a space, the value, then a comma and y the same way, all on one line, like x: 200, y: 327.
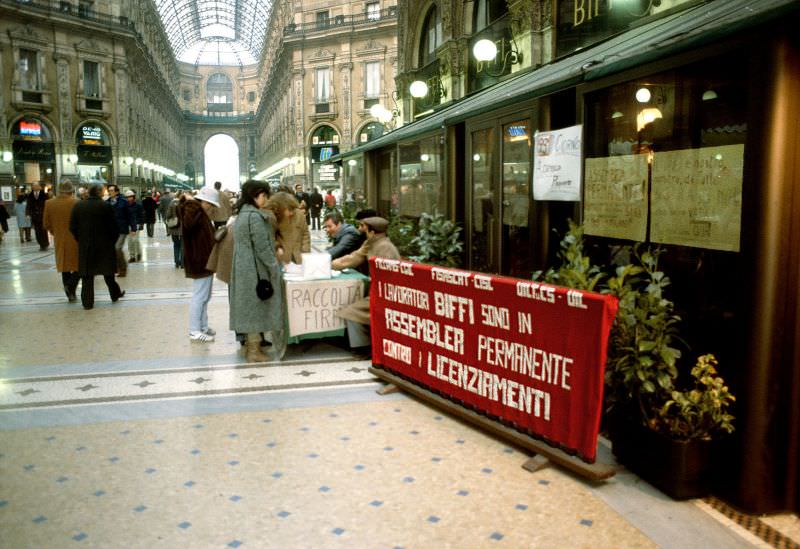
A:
x: 201, y: 337
x: 210, y: 331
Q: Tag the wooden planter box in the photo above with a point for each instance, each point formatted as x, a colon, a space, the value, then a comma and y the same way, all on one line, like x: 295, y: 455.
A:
x: 680, y: 469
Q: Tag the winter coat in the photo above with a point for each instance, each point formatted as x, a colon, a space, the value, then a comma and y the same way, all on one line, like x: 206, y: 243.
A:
x: 23, y: 221
x: 149, y: 205
x: 94, y: 226
x: 254, y: 248
x: 126, y: 222
x: 223, y: 211
x: 294, y: 237
x: 378, y: 246
x: 316, y: 203
x: 137, y: 214
x: 172, y: 211
x: 347, y: 240
x: 35, y: 207
x: 198, y: 238
x: 221, y: 259
x: 57, y: 214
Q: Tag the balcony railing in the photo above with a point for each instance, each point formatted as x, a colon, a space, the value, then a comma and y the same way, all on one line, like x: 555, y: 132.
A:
x: 68, y: 9
x: 341, y: 21
x: 219, y: 118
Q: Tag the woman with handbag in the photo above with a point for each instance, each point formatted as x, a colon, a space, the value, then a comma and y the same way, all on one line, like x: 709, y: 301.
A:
x: 255, y: 292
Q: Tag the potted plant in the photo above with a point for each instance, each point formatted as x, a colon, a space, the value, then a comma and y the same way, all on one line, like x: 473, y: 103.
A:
x: 432, y: 239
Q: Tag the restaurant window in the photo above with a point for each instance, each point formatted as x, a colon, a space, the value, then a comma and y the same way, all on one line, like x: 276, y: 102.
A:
x: 372, y: 79
x: 421, y: 183
x: 483, y: 244
x: 373, y: 10
x: 664, y: 165
x: 431, y: 37
x: 354, y: 185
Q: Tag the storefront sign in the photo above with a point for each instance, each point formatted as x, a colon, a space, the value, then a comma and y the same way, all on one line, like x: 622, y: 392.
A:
x: 312, y: 304
x: 33, y: 151
x: 532, y: 355
x: 91, y: 154
x: 557, y: 164
x: 30, y: 129
x: 696, y: 197
x: 91, y: 135
x: 615, y: 197
x: 327, y: 172
x: 6, y: 194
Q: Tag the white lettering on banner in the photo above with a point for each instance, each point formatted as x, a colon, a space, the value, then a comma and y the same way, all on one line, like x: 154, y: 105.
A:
x: 575, y: 299
x: 540, y: 365
x: 482, y: 282
x: 536, y: 291
x: 397, y: 351
x: 491, y: 386
x: 457, y: 278
x: 497, y: 317
x: 395, y: 266
x: 426, y: 330
x: 448, y: 305
x: 405, y: 296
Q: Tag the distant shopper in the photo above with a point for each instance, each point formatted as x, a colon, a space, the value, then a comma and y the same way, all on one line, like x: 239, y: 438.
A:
x: 223, y: 212
x: 126, y: 225
x: 346, y: 238
x: 173, y: 224
x: 377, y: 245
x: 57, y: 214
x: 303, y: 199
x: 330, y: 200
x: 4, y: 217
x: 253, y: 259
x: 292, y: 238
x: 23, y: 221
x: 198, y: 240
x: 35, y: 210
x: 137, y: 213
x: 315, y: 208
x: 94, y: 226
x: 149, y: 205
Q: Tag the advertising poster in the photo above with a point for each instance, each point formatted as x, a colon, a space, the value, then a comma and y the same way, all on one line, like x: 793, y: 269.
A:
x: 696, y: 197
x: 531, y: 354
x: 557, y: 164
x: 615, y: 197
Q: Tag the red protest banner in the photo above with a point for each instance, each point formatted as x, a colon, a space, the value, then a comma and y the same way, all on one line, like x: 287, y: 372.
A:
x: 531, y: 354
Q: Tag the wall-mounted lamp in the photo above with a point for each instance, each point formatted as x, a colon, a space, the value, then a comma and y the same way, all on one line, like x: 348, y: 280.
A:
x: 352, y: 162
x: 127, y: 160
x: 709, y: 95
x: 418, y: 89
x: 50, y: 170
x: 138, y: 161
x: 73, y: 158
x: 424, y: 157
x: 146, y: 164
x: 617, y: 114
x: 486, y: 53
x: 8, y: 156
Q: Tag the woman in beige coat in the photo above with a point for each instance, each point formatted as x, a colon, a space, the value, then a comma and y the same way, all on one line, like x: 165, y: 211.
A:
x: 292, y: 237
x: 57, y: 212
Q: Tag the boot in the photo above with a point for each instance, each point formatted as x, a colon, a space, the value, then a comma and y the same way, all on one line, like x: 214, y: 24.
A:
x: 254, y: 353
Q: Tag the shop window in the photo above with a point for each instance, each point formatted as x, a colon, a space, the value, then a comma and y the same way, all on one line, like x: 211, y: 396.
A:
x: 421, y: 187
x: 431, y: 37
x: 373, y: 10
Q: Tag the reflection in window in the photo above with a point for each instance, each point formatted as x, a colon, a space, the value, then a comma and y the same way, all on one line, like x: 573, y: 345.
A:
x: 488, y: 11
x: 482, y: 243
x: 517, y: 199
x: 421, y: 174
x: 373, y: 11
x: 431, y: 37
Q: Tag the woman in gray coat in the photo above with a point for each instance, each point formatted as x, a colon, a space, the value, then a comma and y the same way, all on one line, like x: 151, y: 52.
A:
x: 254, y: 258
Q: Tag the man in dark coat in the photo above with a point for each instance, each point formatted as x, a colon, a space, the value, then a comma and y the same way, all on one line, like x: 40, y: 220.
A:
x: 346, y: 238
x: 35, y: 210
x: 303, y: 198
x: 94, y: 226
x: 315, y: 208
x: 149, y: 205
x: 126, y: 225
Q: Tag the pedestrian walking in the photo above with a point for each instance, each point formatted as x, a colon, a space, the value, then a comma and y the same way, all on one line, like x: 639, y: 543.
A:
x: 126, y: 225
x: 57, y: 214
x: 149, y: 205
x: 315, y: 208
x: 23, y: 221
x: 35, y: 210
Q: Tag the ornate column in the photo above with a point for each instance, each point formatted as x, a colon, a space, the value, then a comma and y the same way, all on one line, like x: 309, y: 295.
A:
x: 347, y: 104
x: 121, y: 110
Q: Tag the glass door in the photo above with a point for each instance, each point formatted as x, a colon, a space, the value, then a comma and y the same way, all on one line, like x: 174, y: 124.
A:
x: 483, y: 242
x: 516, y: 240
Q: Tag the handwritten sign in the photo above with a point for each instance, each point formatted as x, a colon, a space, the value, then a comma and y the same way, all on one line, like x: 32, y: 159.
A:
x: 530, y: 354
x: 557, y: 164
x: 615, y: 197
x: 312, y: 304
x: 696, y: 197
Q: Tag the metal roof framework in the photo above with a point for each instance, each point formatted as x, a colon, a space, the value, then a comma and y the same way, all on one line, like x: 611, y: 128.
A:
x: 216, y: 32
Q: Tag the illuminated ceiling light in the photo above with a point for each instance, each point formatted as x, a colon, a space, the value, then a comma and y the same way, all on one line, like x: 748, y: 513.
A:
x: 7, y: 156
x: 646, y: 116
x: 484, y: 50
x: 476, y: 157
x: 424, y: 157
x: 617, y: 114
x: 643, y: 95
x: 138, y: 161
x: 708, y: 95
x: 418, y: 89
x: 352, y: 162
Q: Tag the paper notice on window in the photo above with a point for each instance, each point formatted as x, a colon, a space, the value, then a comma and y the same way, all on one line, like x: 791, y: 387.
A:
x: 615, y: 196
x: 557, y: 164
x: 696, y: 197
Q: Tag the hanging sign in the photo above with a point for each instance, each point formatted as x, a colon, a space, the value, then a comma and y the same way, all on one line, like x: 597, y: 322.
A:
x: 531, y: 354
x: 557, y: 164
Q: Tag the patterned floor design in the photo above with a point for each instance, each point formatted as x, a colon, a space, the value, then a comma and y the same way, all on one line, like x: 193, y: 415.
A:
x: 117, y: 431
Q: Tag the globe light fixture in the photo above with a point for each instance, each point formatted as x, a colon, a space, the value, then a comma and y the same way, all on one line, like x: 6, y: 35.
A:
x: 708, y: 95
x: 376, y: 111
x: 352, y: 162
x: 484, y: 50
x: 643, y: 95
x: 138, y: 161
x: 7, y: 156
x: 418, y: 89
x: 424, y: 157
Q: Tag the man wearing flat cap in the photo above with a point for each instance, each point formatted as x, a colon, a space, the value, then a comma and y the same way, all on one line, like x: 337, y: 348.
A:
x: 377, y: 245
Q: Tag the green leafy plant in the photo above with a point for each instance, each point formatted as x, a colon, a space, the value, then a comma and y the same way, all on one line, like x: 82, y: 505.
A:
x: 438, y: 241
x: 576, y: 270
x: 401, y: 232
x: 700, y: 412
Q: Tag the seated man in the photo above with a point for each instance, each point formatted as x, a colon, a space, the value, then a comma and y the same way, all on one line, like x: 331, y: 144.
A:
x: 377, y: 244
x: 346, y: 238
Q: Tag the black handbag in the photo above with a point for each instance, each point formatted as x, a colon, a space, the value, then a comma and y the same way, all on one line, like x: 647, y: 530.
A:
x: 264, y: 289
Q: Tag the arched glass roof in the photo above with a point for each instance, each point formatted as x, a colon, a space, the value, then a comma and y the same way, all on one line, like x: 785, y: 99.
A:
x: 215, y: 32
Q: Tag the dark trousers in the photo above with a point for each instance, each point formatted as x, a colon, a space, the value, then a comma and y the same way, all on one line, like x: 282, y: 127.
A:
x: 41, y: 234
x: 87, y: 289
x: 150, y: 229
x: 177, y: 250
x: 315, y: 219
x: 70, y: 281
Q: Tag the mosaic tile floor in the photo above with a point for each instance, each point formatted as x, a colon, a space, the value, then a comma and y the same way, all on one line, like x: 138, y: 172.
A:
x: 117, y: 431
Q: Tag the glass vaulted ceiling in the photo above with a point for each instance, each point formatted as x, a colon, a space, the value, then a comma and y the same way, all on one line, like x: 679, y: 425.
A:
x: 215, y: 32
